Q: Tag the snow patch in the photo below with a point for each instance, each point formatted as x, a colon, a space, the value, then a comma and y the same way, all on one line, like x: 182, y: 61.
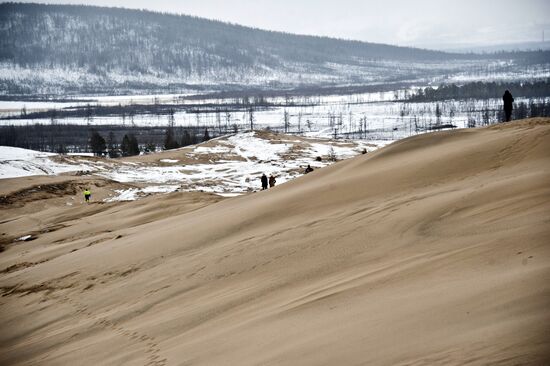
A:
x: 16, y: 162
x: 249, y: 146
x: 212, y: 150
x: 133, y: 194
x: 124, y: 195
x: 160, y: 189
x: 24, y: 238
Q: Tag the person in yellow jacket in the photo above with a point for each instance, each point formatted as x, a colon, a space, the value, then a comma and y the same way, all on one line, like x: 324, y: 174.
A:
x: 87, y: 195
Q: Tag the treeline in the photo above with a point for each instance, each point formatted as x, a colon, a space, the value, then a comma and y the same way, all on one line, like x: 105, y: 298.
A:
x: 532, y: 109
x: 473, y: 113
x: 482, y: 90
x: 488, y: 115
x: 128, y: 111
x: 108, y: 140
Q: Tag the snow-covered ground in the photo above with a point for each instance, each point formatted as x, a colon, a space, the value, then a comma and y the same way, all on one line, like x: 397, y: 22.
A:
x: 16, y: 162
x: 228, y: 165
x: 234, y: 164
x: 373, y: 116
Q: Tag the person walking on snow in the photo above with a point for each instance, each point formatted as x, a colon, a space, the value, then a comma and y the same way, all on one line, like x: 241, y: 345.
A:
x: 508, y: 100
x: 87, y: 195
x: 264, y: 182
x: 272, y: 181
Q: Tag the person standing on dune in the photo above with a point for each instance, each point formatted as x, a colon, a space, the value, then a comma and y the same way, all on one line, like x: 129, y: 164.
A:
x: 272, y: 181
x: 87, y: 195
x: 508, y: 105
x: 264, y: 182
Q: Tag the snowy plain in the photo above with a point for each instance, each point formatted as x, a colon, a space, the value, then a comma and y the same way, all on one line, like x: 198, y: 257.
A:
x: 372, y: 116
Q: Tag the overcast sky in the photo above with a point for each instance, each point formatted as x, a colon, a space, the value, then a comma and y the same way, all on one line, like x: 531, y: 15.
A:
x: 422, y: 23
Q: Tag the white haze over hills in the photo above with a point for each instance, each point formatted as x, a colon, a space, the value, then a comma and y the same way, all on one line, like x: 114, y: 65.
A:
x: 514, y: 46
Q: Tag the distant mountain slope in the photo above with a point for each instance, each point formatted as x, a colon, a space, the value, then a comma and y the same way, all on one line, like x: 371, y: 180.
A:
x: 104, y: 49
x: 64, y: 34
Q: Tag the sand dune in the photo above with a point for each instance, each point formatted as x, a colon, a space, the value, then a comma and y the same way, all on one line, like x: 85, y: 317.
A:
x: 433, y: 250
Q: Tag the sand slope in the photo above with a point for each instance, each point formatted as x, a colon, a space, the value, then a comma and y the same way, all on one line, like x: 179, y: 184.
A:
x: 434, y: 250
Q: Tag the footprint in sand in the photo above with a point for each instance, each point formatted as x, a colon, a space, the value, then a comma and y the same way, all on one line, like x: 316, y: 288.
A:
x: 152, y: 349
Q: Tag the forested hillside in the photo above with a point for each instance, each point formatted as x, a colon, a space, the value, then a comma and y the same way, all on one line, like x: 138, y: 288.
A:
x: 105, y: 50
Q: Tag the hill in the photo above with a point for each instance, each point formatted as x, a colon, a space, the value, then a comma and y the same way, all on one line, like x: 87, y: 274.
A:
x: 432, y: 250
x: 68, y: 49
x: 227, y: 165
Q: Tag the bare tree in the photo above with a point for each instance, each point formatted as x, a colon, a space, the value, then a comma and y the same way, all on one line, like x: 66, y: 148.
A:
x: 251, y: 118
x: 286, y: 119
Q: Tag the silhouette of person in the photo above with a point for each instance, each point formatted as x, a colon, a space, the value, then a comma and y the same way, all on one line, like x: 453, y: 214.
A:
x: 508, y: 105
x: 272, y: 181
x: 309, y: 169
x: 264, y: 181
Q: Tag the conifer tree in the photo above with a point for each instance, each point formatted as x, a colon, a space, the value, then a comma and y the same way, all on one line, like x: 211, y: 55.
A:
x: 97, y: 143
